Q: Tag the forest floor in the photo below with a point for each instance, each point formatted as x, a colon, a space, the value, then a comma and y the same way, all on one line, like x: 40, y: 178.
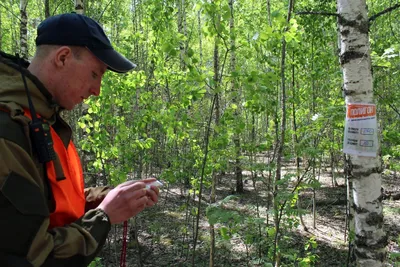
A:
x: 165, y: 233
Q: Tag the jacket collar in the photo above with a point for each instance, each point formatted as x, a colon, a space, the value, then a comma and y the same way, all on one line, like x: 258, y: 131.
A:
x: 12, y: 88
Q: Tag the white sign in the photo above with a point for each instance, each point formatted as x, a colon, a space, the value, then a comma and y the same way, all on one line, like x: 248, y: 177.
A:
x: 360, y: 133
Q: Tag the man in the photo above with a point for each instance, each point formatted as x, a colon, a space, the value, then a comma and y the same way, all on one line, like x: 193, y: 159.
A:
x: 46, y: 217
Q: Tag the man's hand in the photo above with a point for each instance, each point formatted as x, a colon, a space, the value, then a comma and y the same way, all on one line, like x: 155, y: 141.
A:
x: 152, y: 193
x: 128, y: 199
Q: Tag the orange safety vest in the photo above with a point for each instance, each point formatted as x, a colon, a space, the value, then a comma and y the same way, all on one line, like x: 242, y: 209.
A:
x: 68, y: 193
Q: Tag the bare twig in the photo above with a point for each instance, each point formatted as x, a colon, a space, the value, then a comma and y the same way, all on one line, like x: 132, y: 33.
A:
x: 104, y: 10
x: 391, y: 195
x: 390, y: 105
x: 390, y: 9
x: 57, y: 6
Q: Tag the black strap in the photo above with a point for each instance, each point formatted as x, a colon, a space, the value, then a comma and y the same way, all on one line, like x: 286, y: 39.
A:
x: 49, y: 191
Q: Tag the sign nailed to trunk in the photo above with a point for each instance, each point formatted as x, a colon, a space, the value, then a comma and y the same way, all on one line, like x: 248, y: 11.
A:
x: 360, y: 134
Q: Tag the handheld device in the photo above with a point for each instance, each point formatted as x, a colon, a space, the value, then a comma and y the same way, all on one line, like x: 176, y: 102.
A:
x: 155, y: 183
x: 42, y: 141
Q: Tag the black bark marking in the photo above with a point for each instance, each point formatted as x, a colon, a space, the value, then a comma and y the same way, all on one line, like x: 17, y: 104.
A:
x: 347, y: 56
x: 352, y: 82
x: 364, y: 27
x: 375, y: 219
x: 356, y: 170
x: 359, y: 210
x: 345, y: 32
x: 350, y: 92
x: 376, y: 256
x: 359, y: 23
x: 361, y: 242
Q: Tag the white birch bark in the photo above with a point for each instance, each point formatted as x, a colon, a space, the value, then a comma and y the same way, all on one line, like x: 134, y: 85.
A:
x: 365, y: 172
x: 79, y: 8
x: 182, y: 30
x: 1, y: 32
x: 23, y: 32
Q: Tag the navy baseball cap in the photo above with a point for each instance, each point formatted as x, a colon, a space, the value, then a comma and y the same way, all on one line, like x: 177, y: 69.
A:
x: 79, y: 30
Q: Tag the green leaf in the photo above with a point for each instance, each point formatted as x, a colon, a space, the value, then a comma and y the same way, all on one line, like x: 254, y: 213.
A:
x: 216, y: 214
x: 81, y: 125
x: 190, y: 52
x: 224, y: 233
x: 228, y: 198
x: 271, y: 231
x: 167, y: 47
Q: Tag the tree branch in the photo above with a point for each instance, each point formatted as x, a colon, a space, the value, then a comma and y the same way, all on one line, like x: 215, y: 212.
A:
x: 8, y: 10
x: 390, y: 9
x: 391, y: 195
x: 390, y: 105
x: 104, y: 10
x: 57, y: 6
x: 322, y: 13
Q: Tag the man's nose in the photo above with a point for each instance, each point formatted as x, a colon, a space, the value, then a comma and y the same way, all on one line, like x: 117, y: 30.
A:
x: 95, y: 90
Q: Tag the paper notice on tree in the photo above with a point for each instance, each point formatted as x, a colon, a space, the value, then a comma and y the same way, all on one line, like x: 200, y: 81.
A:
x: 360, y: 134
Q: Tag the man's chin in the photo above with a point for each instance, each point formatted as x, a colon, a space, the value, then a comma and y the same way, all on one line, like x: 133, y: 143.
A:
x: 69, y: 107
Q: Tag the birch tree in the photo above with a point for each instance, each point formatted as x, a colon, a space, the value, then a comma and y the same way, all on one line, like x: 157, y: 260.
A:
x: 182, y: 30
x: 235, y: 100
x: 79, y: 8
x: 1, y: 31
x: 23, y: 32
x: 365, y: 172
x: 46, y: 8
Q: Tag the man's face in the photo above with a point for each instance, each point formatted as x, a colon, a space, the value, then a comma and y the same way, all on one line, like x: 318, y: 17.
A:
x: 81, y: 78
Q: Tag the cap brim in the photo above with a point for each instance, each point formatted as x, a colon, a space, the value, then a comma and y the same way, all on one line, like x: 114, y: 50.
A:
x: 114, y: 60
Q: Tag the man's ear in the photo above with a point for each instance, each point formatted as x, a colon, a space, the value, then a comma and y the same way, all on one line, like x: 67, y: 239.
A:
x: 62, y: 56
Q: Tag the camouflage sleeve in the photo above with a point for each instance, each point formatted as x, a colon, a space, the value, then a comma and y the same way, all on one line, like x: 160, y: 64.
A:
x: 95, y: 195
x: 24, y: 218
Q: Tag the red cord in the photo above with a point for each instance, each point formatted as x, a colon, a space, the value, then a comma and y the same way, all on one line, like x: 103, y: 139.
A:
x: 122, y: 259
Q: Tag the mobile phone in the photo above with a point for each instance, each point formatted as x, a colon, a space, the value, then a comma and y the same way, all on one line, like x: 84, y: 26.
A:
x: 155, y: 183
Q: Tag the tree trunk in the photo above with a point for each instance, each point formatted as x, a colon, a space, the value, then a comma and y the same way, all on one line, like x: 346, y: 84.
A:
x: 281, y: 142
x: 217, y: 117
x: 1, y: 32
x: 46, y: 9
x: 182, y: 30
x: 365, y: 172
x: 269, y: 12
x: 235, y: 100
x: 79, y: 7
x: 200, y: 38
x: 216, y: 79
x: 23, y: 32
x: 295, y: 139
